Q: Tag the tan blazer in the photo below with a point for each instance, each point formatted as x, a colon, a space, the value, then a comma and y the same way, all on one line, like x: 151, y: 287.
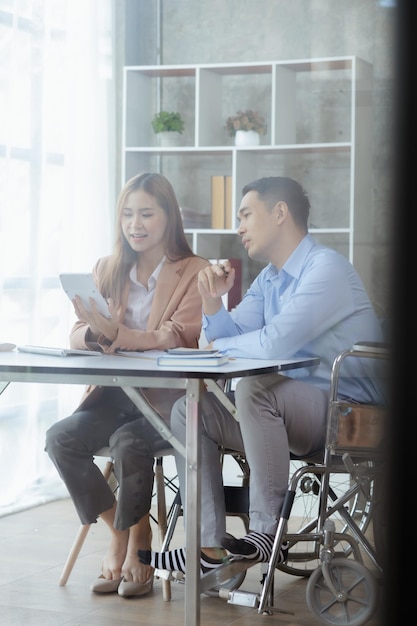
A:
x: 174, y: 320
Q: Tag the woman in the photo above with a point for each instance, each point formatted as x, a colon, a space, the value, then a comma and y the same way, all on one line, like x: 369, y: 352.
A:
x: 150, y: 282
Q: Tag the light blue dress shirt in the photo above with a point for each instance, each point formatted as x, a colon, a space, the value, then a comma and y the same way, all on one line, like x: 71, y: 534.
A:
x: 316, y: 305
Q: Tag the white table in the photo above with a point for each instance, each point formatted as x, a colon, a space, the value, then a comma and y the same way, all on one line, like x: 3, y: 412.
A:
x: 136, y: 370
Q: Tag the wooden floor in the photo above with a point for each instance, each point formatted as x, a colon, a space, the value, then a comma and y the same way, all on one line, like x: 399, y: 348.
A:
x: 34, y: 545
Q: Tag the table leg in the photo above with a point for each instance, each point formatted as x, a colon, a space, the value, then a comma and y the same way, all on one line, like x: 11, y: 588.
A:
x: 3, y: 386
x: 135, y: 394
x: 195, y: 389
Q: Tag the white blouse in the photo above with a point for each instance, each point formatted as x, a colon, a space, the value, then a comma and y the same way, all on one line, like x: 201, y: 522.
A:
x: 140, y: 299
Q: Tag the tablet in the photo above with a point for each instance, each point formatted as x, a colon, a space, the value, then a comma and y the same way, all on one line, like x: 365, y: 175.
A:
x: 83, y: 285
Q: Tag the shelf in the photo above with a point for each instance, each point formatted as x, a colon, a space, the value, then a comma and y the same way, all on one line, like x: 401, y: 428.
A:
x: 213, y: 150
x: 319, y: 123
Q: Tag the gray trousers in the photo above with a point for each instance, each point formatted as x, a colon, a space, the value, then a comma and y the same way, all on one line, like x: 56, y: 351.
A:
x: 115, y: 422
x: 276, y: 415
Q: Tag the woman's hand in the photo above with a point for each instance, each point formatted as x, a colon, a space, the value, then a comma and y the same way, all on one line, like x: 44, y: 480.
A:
x: 98, y: 324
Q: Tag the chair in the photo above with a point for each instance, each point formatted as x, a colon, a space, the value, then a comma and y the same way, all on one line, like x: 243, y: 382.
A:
x: 84, y: 528
x: 161, y: 520
x: 339, y: 490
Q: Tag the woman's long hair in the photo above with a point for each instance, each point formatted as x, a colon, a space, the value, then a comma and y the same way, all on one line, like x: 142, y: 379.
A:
x: 115, y: 268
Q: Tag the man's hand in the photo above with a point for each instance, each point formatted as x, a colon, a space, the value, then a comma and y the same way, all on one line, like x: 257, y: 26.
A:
x: 213, y: 282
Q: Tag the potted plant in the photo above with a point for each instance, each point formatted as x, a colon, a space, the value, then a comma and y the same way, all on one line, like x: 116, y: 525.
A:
x: 166, y: 125
x: 246, y: 127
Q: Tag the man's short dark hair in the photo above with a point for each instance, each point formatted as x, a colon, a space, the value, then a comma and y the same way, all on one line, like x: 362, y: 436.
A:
x: 272, y: 189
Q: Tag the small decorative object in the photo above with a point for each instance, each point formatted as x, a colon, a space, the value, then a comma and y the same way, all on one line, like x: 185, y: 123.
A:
x: 246, y: 127
x: 164, y: 120
x: 168, y: 126
x: 247, y: 138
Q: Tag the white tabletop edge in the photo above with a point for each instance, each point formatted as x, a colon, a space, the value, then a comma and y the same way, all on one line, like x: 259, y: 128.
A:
x: 137, y: 363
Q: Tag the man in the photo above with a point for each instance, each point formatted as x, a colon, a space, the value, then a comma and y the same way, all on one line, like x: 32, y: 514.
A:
x: 307, y: 301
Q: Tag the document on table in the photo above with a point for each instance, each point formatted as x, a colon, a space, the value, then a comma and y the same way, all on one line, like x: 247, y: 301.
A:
x: 48, y: 351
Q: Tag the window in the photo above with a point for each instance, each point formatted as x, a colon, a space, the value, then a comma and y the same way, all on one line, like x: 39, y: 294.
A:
x: 57, y: 176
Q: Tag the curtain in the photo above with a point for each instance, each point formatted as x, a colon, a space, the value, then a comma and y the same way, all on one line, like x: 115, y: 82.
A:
x: 57, y: 197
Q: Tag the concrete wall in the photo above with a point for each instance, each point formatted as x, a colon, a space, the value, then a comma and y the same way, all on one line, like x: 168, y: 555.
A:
x: 225, y: 31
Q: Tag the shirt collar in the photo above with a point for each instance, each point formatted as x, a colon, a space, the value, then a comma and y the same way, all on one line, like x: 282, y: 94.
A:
x: 152, y: 278
x: 295, y: 262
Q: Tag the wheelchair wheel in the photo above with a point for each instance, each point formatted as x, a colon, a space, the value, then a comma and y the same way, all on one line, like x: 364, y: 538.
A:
x: 380, y: 516
x: 304, y: 556
x: 355, y: 601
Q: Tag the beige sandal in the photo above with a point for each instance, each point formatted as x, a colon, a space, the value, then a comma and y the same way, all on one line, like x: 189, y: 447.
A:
x: 127, y: 589
x: 105, y: 585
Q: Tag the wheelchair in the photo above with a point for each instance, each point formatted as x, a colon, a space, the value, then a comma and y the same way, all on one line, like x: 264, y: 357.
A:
x: 332, y: 518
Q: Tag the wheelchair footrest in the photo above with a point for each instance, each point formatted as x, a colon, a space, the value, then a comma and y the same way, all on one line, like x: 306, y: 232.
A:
x: 242, y: 598
x: 166, y: 575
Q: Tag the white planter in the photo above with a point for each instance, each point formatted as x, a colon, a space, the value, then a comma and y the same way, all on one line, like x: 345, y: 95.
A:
x: 168, y: 138
x: 247, y: 138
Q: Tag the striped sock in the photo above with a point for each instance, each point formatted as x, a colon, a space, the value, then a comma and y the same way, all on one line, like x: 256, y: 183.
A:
x: 255, y: 546
x: 174, y: 560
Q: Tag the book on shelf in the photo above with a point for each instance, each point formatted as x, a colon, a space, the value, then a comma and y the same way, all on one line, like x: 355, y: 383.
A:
x: 235, y: 293
x: 221, y: 202
x: 184, y: 357
x: 228, y: 202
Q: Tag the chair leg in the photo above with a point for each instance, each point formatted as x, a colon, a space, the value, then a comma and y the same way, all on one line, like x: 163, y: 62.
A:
x: 73, y: 553
x: 162, y: 517
x: 80, y: 537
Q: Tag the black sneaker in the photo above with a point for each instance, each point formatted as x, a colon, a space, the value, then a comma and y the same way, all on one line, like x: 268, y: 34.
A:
x: 254, y: 546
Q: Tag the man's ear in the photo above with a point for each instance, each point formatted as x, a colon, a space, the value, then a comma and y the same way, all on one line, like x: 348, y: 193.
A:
x: 281, y: 211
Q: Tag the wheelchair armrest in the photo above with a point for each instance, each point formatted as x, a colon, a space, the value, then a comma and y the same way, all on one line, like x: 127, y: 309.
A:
x: 377, y: 347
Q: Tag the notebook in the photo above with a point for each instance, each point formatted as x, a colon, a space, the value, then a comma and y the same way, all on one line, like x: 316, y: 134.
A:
x: 192, y: 357
x: 57, y: 351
